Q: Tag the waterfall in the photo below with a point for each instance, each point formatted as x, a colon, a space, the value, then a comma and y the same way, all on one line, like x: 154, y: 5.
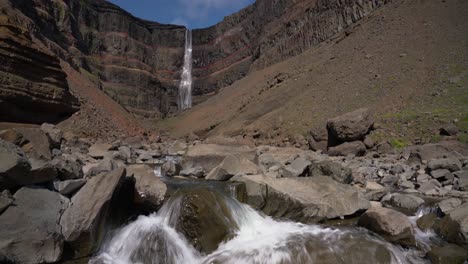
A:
x: 258, y: 239
x: 185, y: 87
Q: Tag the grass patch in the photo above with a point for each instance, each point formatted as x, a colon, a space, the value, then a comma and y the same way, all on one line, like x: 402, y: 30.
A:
x: 398, y: 143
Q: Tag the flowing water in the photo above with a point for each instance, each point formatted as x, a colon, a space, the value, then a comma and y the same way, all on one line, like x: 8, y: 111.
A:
x: 185, y: 87
x: 258, y: 239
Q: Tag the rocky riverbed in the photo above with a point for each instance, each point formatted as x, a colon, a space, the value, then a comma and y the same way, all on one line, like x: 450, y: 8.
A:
x: 63, y: 197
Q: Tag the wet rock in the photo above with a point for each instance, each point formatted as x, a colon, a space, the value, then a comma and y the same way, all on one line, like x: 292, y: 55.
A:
x: 232, y: 165
x: 208, y: 156
x: 408, y: 202
x: 69, y: 187
x: 99, y: 150
x: 392, y: 225
x: 38, y: 145
x: 204, y: 218
x: 196, y: 172
x: 351, y: 126
x: 69, y: 167
x: 55, y: 134
x: 297, y: 168
x: 449, y: 130
x: 451, y: 164
x: 449, y: 204
x: 448, y: 254
x: 454, y: 226
x: 150, y: 191
x: 331, y: 169
x: 303, y: 199
x: 30, y: 230
x: 427, y: 222
x: 356, y: 148
x: 170, y: 168
x: 83, y: 221
x: 13, y: 165
x: 5, y: 200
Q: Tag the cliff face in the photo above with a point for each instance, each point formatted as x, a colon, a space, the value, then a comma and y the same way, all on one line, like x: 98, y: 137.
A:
x: 138, y: 62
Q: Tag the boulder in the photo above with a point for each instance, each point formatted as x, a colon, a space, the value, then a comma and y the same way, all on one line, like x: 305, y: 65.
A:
x: 356, y: 148
x: 451, y: 164
x: 462, y: 180
x: 350, y: 126
x: 38, y: 145
x: 170, y: 168
x: 230, y: 166
x: 83, y: 222
x: 196, y: 172
x: 369, y: 142
x: 105, y: 165
x: 99, y: 150
x: 429, y: 187
x: 208, y: 156
x: 447, y: 205
x: 306, y: 199
x: 331, y: 169
x: 125, y: 153
x: 407, y: 202
x: 13, y: 165
x: 427, y: 222
x: 5, y: 200
x: 55, y: 134
x: 444, y: 149
x: 204, y: 218
x: 41, y: 172
x: 150, y: 191
x: 30, y: 230
x: 449, y: 130
x: 69, y: 187
x: 448, y: 254
x: 296, y: 168
x: 69, y: 167
x: 454, y: 225
x: 441, y: 174
x: 317, y: 145
x: 390, y: 224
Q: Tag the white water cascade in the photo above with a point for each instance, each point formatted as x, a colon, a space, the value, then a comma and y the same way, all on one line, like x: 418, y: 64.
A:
x: 258, y: 239
x: 184, y: 100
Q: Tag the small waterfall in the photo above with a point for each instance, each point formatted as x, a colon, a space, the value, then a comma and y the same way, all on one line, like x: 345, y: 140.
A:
x: 185, y: 87
x: 258, y: 239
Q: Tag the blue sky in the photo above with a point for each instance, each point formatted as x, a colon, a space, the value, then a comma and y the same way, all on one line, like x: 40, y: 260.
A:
x: 190, y: 13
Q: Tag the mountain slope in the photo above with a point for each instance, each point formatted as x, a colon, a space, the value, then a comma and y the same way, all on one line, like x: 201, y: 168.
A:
x: 408, y: 62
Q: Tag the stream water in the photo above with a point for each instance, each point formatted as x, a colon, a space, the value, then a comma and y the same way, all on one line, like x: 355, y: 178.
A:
x: 258, y: 238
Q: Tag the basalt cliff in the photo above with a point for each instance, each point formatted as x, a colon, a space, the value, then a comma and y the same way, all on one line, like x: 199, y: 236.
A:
x: 138, y: 62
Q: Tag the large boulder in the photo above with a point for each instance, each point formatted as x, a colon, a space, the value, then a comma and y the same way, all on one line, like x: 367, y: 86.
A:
x: 444, y: 149
x: 69, y: 187
x: 350, y: 126
x: 407, y: 202
x: 84, y: 221
x: 331, y: 169
x: 208, y: 156
x: 105, y: 165
x: 454, y: 225
x: 296, y: 168
x: 356, y: 148
x: 204, y: 218
x: 13, y: 165
x: 99, y: 150
x: 307, y: 199
x: 150, y: 191
x: 451, y: 164
x: 232, y: 165
x: 41, y: 172
x: 30, y: 230
x: 448, y: 254
x: 392, y: 225
x: 38, y: 145
x: 69, y: 167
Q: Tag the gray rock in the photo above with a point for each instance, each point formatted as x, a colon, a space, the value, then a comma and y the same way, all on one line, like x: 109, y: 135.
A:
x: 449, y: 204
x: 429, y: 186
x: 376, y: 195
x: 426, y: 222
x: 406, y: 185
x: 38, y: 145
x: 105, y: 165
x: 69, y: 187
x: 5, y: 200
x: 55, y: 134
x: 317, y: 145
x: 451, y: 164
x: 99, y: 150
x: 30, y: 230
x: 83, y: 222
x: 331, y: 169
x: 449, y: 130
x: 397, y: 169
x: 13, y: 165
x: 392, y: 225
x: 369, y: 142
x: 351, y: 126
x: 462, y: 180
x: 356, y: 148
x: 298, y: 167
x: 12, y: 136
x: 170, y: 168
x: 319, y: 134
x: 150, y: 191
x: 304, y: 198
x: 454, y: 226
x: 444, y: 149
x: 69, y: 167
x: 408, y: 202
x: 41, y: 172
x: 196, y: 172
x: 125, y: 153
x: 422, y: 178
x: 232, y: 165
x: 389, y: 180
x: 448, y: 254
x: 440, y: 174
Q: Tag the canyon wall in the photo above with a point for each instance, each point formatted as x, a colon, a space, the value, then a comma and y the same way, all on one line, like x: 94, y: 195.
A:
x: 138, y: 62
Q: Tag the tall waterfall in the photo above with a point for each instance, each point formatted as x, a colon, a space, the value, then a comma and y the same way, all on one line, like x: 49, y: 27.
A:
x: 185, y: 87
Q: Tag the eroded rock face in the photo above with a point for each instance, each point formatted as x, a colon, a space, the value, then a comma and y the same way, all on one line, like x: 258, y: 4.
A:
x: 30, y: 230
